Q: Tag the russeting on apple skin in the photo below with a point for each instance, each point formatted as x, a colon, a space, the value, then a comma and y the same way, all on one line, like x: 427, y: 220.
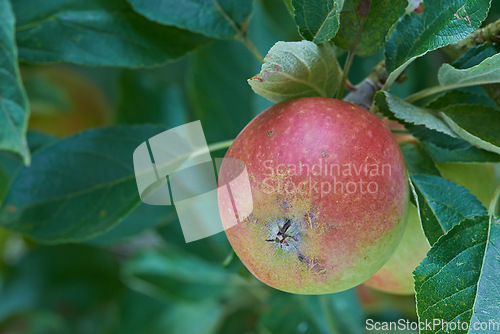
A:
x: 329, y: 195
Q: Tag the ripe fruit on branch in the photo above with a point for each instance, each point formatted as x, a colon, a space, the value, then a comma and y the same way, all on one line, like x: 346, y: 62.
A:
x: 329, y: 194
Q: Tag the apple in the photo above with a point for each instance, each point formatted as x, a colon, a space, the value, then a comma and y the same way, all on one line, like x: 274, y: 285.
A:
x: 396, y: 276
x: 63, y: 101
x: 329, y: 195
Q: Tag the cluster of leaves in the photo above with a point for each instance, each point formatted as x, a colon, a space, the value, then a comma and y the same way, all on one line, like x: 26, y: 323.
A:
x: 122, y: 266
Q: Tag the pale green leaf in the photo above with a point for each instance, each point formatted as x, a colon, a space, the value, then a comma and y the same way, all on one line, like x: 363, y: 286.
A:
x: 486, y: 72
x: 297, y: 69
x: 14, y: 110
x: 397, y: 108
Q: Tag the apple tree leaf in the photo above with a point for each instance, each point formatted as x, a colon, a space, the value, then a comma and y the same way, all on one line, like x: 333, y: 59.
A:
x: 318, y: 20
x: 14, y: 109
x: 398, y: 109
x: 219, y: 19
x: 475, y: 55
x: 96, y: 32
x: 458, y: 280
x: 78, y: 187
x: 442, y: 204
x: 209, y: 85
x: 444, y: 148
x: 486, y: 72
x: 172, y: 275
x: 297, y: 69
x: 324, y: 314
x: 478, y: 124
x: 442, y: 22
x: 364, y: 24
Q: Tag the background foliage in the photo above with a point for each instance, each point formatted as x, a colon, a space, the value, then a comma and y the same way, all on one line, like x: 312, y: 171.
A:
x: 79, y: 253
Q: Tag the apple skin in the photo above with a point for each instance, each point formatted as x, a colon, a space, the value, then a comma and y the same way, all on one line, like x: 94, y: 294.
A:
x: 396, y: 276
x: 335, y: 240
x: 84, y: 105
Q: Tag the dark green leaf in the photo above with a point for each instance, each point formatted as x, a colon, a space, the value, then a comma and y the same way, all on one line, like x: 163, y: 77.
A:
x: 418, y: 161
x: 441, y: 23
x: 318, y: 20
x: 213, y: 249
x: 364, y: 24
x: 218, y: 92
x: 458, y: 281
x: 444, y: 148
x: 475, y: 55
x: 146, y: 315
x: 96, y: 32
x: 457, y: 96
x: 176, y: 276
x: 337, y: 313
x: 213, y: 18
x: 144, y: 217
x: 478, y: 124
x: 14, y: 110
x: 78, y: 187
x: 151, y: 97
x: 69, y: 279
x: 297, y: 69
x: 443, y: 204
x: 486, y: 72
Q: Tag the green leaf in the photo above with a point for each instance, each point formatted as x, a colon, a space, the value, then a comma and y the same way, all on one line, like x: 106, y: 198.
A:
x: 398, y: 109
x: 14, y: 109
x: 318, y: 20
x: 486, y: 72
x: 80, y: 277
x: 159, y: 100
x: 364, y: 24
x: 217, y: 90
x: 476, y: 55
x: 443, y: 204
x: 143, y: 218
x: 418, y: 161
x: 444, y: 148
x: 457, y: 96
x: 213, y: 18
x: 96, y: 32
x: 143, y: 314
x: 478, y: 124
x: 325, y: 314
x: 442, y: 22
x: 458, y: 280
x: 297, y: 69
x: 78, y: 187
x: 172, y: 275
